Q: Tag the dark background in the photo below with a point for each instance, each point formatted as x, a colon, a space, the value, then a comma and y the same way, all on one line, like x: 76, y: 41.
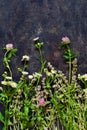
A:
x: 23, y: 20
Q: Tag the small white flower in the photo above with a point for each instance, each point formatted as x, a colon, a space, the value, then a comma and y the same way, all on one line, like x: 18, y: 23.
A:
x: 30, y: 76
x: 36, y: 75
x: 53, y: 71
x: 9, y: 83
x: 4, y: 82
x: 12, y: 84
x: 25, y: 58
x: 79, y: 75
x: 36, y: 39
x: 8, y: 78
x: 25, y: 73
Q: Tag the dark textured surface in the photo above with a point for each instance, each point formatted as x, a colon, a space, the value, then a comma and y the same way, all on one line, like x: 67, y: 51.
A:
x: 21, y: 21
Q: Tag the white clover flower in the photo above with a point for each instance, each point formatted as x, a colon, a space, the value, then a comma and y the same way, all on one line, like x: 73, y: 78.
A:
x: 36, y: 75
x: 4, y: 82
x: 24, y: 73
x: 8, y: 78
x: 25, y: 58
x: 30, y: 77
x: 12, y: 84
x: 53, y: 71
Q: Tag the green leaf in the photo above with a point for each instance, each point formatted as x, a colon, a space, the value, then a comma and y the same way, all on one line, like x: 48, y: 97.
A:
x: 3, y: 95
x: 2, y: 118
x: 12, y: 53
x: 66, y: 57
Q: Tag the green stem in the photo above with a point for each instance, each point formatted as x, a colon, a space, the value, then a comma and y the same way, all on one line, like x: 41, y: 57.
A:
x: 9, y: 70
x: 7, y: 64
x: 70, y: 65
x: 41, y: 59
x: 6, y: 117
x: 42, y: 63
x: 70, y: 70
x: 25, y: 65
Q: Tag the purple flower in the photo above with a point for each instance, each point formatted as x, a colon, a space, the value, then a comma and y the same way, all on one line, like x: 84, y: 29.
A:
x: 9, y: 46
x: 65, y: 40
x: 41, y: 102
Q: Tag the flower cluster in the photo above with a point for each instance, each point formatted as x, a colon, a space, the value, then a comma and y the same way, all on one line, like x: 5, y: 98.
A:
x: 46, y: 99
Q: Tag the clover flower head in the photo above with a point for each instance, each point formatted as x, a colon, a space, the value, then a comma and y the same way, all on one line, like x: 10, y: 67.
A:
x: 9, y: 46
x: 65, y: 40
x: 9, y: 83
x: 25, y: 58
x: 42, y: 102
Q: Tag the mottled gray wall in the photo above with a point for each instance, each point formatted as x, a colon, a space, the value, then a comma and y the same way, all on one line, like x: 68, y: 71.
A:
x: 23, y: 20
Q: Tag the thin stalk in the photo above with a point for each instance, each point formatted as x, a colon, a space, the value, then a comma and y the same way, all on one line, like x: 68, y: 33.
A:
x: 70, y: 63
x: 70, y: 70
x: 6, y: 117
x: 42, y: 63
x: 41, y: 60
x: 25, y: 65
x: 7, y: 64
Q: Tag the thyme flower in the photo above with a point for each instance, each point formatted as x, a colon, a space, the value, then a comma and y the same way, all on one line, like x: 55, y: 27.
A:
x: 41, y: 102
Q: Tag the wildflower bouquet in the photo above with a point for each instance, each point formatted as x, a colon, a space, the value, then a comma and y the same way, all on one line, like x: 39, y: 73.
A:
x: 46, y: 99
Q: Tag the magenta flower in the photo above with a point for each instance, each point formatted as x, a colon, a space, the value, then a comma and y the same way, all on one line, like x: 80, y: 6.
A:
x: 65, y: 40
x: 9, y: 46
x: 41, y: 102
